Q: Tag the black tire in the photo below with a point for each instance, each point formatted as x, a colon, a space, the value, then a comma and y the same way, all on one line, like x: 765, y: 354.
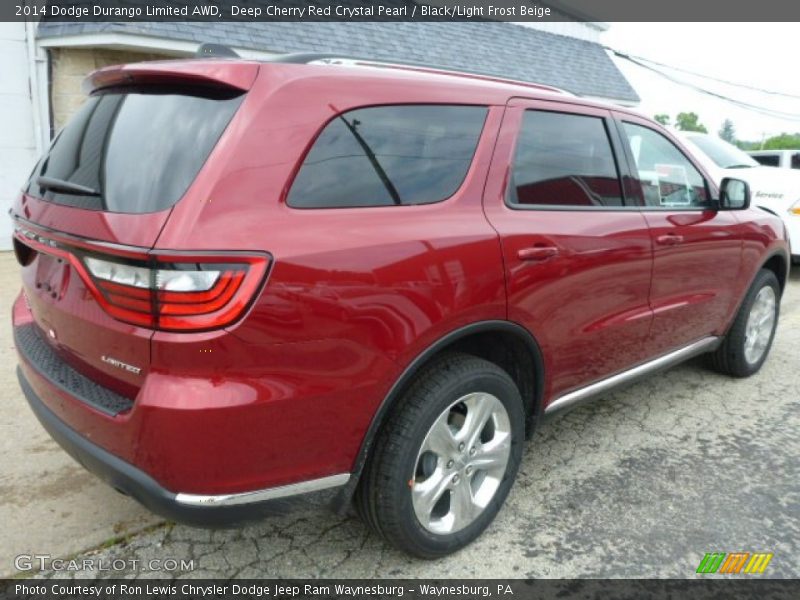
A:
x: 384, y: 498
x: 729, y: 358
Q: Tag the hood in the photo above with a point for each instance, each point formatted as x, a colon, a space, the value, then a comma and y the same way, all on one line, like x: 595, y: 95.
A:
x: 774, y: 188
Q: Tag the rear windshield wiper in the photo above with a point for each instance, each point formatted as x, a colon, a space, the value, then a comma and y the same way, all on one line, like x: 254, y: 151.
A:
x: 65, y: 187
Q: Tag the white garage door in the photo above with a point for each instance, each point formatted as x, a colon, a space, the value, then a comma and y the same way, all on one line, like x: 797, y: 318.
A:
x: 17, y: 138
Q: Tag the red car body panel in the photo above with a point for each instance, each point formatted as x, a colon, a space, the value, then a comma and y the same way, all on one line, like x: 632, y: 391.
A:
x: 591, y: 299
x: 354, y: 295
x: 66, y: 311
x: 691, y: 293
x: 139, y: 231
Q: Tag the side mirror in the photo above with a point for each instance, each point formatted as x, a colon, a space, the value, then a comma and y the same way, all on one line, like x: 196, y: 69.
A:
x: 734, y: 194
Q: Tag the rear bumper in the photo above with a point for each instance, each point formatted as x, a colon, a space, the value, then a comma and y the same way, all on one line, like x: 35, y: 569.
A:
x: 207, y: 510
x: 247, y: 416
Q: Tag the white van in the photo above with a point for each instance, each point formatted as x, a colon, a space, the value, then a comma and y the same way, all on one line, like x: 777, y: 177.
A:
x: 774, y: 190
x: 785, y: 159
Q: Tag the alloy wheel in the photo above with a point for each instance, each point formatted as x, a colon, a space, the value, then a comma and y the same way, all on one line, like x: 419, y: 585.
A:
x: 760, y: 324
x: 461, y: 463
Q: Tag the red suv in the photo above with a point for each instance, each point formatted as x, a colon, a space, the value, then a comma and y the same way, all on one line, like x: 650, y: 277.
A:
x: 245, y: 282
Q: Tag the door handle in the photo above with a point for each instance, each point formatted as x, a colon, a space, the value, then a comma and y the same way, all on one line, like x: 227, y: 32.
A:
x: 670, y: 239
x: 537, y: 253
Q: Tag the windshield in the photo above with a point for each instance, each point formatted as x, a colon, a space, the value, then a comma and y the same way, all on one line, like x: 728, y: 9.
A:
x: 723, y: 154
x: 133, y: 150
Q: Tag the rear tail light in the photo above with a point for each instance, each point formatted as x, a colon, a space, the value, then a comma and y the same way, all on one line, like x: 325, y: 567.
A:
x: 176, y: 293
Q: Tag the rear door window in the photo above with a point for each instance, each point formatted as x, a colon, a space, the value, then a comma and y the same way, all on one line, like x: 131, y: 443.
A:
x: 133, y: 151
x: 388, y: 156
x: 564, y: 160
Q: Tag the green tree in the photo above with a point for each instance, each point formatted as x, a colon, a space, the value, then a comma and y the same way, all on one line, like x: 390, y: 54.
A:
x: 689, y: 122
x: 784, y: 141
x: 663, y: 119
x: 727, y: 132
x: 746, y: 146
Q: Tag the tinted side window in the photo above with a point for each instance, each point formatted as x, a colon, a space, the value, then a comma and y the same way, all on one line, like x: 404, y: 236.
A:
x: 769, y: 160
x: 667, y: 177
x: 564, y: 160
x: 138, y: 149
x: 795, y: 162
x: 390, y: 155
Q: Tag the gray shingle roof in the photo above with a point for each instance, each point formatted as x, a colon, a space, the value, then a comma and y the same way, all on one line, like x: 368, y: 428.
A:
x: 504, y: 49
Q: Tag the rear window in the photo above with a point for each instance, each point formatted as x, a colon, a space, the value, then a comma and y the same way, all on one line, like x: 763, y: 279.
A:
x: 389, y: 155
x: 134, y: 150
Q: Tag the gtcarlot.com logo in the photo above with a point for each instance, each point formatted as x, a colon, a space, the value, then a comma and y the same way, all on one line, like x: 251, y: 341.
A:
x: 34, y: 562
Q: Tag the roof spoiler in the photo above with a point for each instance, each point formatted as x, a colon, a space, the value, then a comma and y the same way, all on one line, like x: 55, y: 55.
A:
x: 233, y: 75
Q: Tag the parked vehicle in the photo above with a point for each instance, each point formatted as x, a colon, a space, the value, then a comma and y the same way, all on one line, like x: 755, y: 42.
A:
x: 785, y: 159
x: 776, y: 191
x: 249, y: 282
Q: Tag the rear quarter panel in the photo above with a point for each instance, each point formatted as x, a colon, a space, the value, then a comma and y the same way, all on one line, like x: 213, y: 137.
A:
x: 353, y: 296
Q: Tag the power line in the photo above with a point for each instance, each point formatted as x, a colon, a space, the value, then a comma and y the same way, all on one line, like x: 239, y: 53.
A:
x: 746, y: 105
x: 703, y: 75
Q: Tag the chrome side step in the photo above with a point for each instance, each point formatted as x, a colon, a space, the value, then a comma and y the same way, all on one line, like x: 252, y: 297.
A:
x: 293, y: 489
x: 589, y: 392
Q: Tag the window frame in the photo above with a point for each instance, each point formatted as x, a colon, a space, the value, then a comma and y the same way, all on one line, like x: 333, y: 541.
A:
x: 321, y: 129
x: 615, y: 145
x: 633, y: 170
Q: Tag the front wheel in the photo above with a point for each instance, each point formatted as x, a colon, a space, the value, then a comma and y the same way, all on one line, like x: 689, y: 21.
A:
x: 745, y: 348
x: 446, y: 458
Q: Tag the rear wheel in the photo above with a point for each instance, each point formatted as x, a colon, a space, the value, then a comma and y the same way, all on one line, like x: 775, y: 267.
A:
x: 745, y: 348
x: 446, y: 458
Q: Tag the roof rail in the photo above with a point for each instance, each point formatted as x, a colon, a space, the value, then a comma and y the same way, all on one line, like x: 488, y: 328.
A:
x: 354, y: 61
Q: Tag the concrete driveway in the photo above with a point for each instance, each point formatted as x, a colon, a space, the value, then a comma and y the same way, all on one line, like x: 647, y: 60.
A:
x: 48, y: 503
x: 639, y: 484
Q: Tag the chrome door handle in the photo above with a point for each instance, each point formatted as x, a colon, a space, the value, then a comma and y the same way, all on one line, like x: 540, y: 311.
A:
x: 670, y: 239
x: 537, y: 253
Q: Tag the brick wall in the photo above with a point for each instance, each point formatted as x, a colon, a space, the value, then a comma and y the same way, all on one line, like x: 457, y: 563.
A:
x: 72, y: 65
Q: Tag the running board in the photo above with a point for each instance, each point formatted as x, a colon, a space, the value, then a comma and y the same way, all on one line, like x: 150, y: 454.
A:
x: 620, y: 379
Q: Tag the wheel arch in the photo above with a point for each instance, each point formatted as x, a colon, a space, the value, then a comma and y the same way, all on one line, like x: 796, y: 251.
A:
x: 778, y: 263
x: 504, y: 343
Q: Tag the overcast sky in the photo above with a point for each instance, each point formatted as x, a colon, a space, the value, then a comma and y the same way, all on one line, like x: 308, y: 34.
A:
x: 760, y: 55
